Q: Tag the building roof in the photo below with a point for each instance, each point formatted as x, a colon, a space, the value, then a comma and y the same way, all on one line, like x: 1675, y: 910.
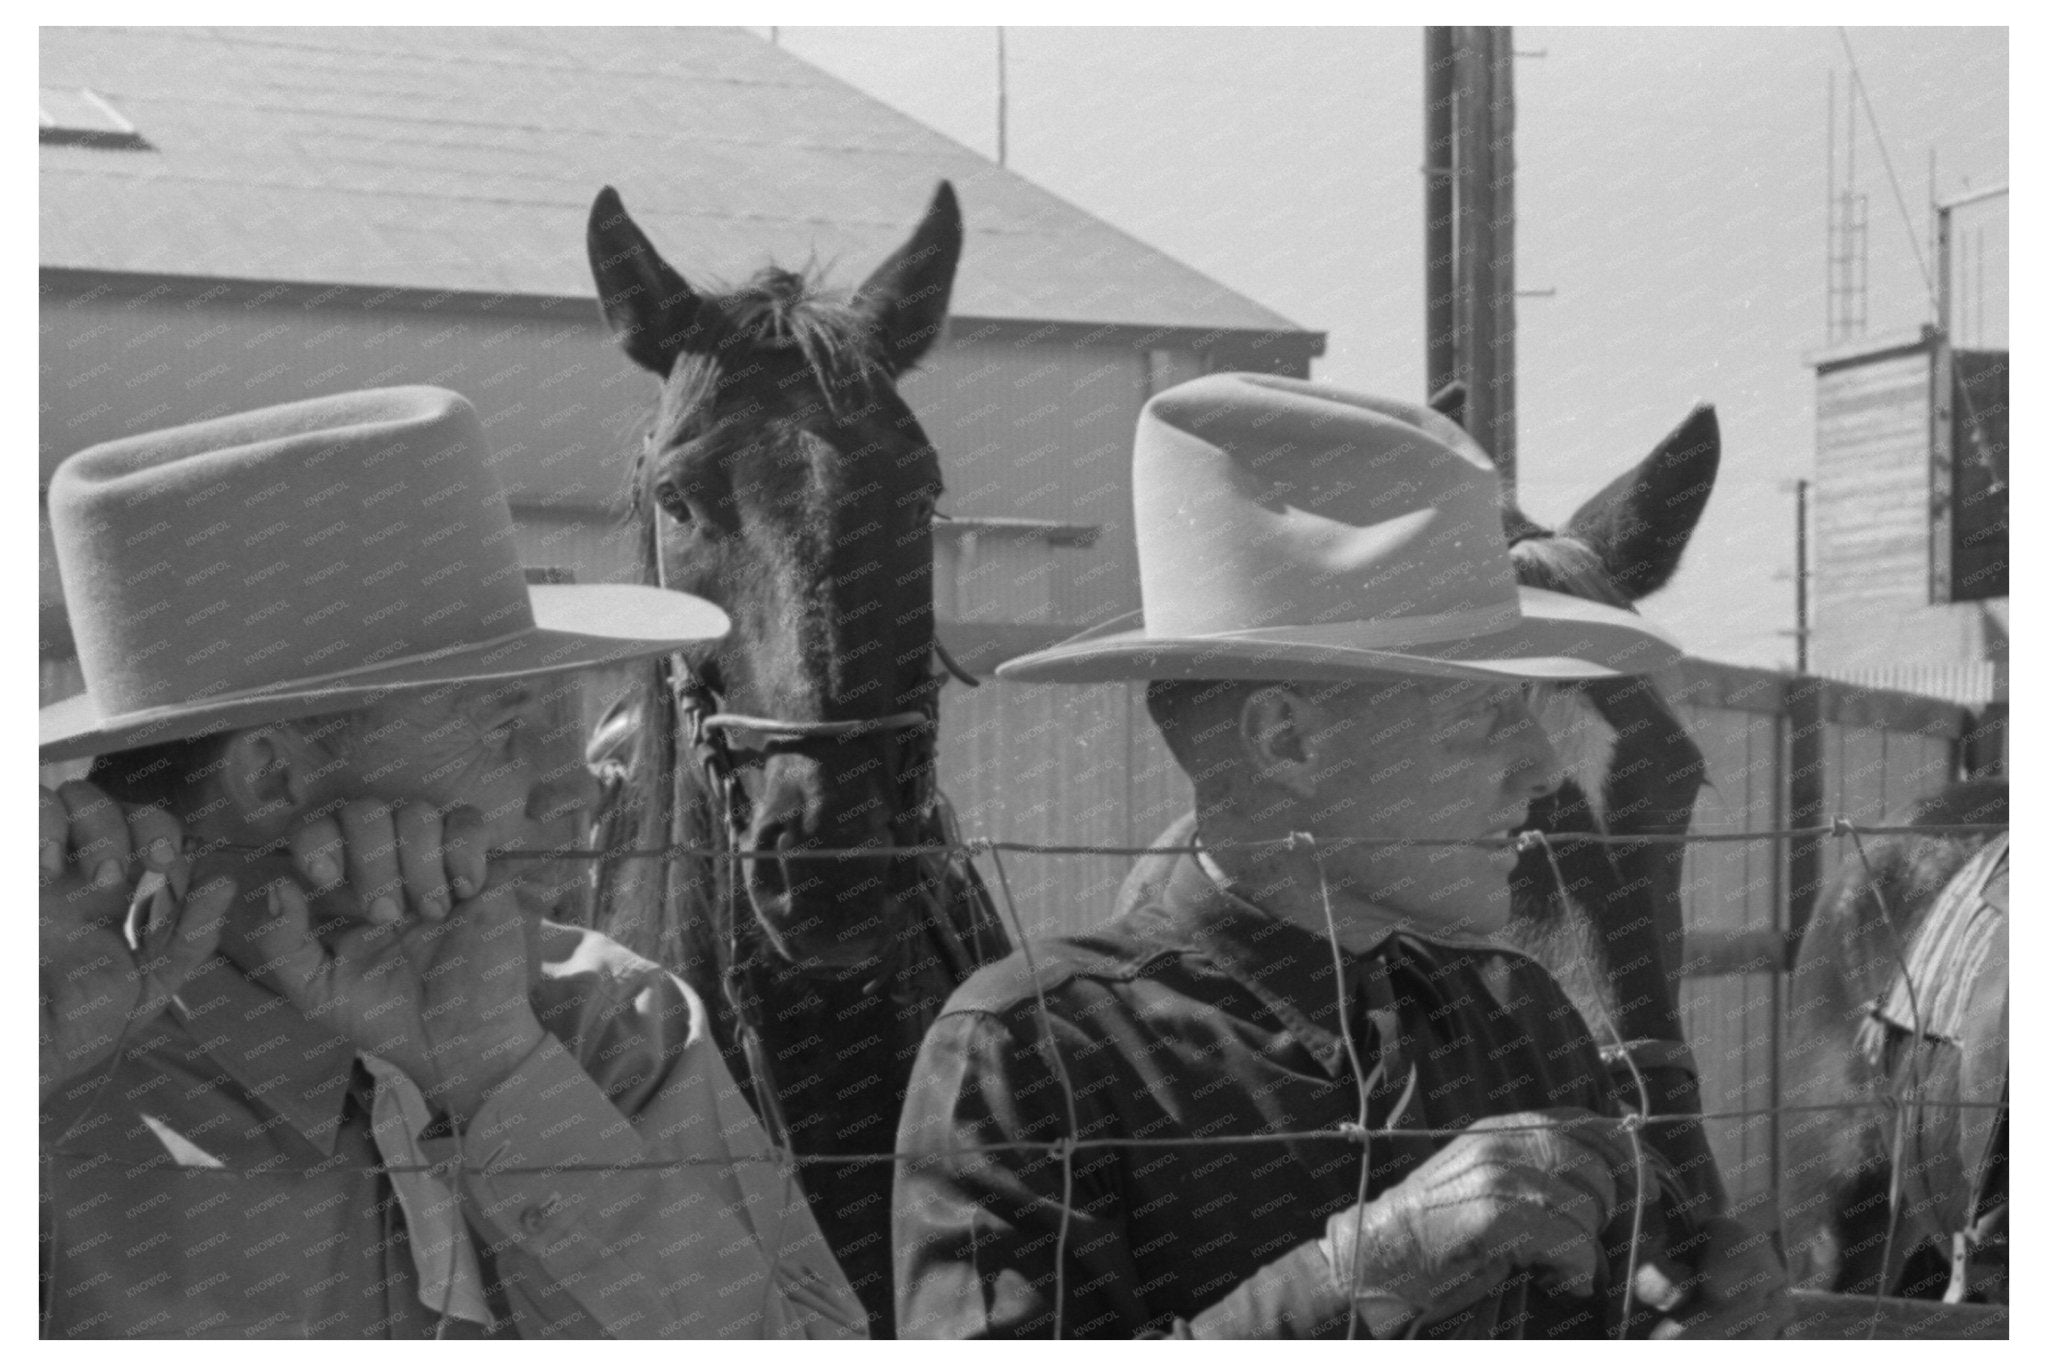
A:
x: 465, y: 159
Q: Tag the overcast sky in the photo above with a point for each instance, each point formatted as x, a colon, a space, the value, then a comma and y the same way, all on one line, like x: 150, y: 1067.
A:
x: 1671, y: 189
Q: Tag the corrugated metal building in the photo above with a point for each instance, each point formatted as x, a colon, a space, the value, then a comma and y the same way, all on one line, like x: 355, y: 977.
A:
x: 237, y: 217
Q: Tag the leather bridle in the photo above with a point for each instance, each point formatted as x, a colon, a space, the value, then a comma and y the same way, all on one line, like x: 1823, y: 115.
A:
x: 908, y: 738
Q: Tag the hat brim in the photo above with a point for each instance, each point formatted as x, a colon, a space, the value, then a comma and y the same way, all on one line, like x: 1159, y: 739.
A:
x: 576, y: 626
x: 1558, y: 637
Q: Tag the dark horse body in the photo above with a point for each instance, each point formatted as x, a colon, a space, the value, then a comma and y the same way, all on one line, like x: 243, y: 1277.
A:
x: 1874, y: 1194
x: 784, y: 479
x: 1607, y: 919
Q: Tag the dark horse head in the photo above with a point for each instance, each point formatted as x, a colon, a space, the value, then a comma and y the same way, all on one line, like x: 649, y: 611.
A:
x: 1607, y: 919
x: 783, y: 478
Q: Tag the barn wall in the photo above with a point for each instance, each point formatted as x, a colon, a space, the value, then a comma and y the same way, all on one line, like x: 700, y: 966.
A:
x: 1733, y: 889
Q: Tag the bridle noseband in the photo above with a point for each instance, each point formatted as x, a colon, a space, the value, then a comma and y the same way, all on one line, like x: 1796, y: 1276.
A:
x: 907, y: 740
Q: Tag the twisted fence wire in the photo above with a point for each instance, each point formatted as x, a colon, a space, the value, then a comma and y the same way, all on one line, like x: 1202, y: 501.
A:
x: 1841, y: 827
x: 1062, y: 1147
x: 1358, y: 1076
x: 1068, y: 1145
x: 1898, y: 1154
x: 1631, y: 1124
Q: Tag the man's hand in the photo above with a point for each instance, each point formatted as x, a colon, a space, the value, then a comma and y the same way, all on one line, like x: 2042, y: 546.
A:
x: 1738, y: 1291
x: 380, y: 861
x: 442, y: 994
x: 1519, y: 1190
x: 95, y: 985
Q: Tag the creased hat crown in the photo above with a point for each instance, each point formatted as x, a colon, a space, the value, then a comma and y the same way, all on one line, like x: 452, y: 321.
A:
x: 1291, y: 530
x: 1266, y: 502
x: 265, y: 547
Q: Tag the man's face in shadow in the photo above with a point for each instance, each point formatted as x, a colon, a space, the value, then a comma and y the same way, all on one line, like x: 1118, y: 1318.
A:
x: 1414, y: 759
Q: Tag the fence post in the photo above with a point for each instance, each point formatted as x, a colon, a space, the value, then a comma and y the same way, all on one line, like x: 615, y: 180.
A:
x: 1984, y: 741
x: 1805, y: 804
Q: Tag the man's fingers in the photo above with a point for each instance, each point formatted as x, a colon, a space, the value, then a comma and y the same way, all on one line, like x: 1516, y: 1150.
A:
x: 317, y: 848
x: 421, y: 859
x: 372, y: 859
x: 278, y: 947
x: 1599, y: 1134
x: 1660, y: 1286
x: 1560, y: 1227
x: 156, y: 837
x: 1569, y: 1252
x: 194, y: 932
x: 463, y: 847
x: 98, y: 834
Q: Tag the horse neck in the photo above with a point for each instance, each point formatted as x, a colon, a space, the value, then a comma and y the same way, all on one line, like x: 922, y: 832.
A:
x: 1604, y: 934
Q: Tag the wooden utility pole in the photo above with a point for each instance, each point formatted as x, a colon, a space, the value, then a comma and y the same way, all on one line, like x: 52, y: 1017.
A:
x: 1469, y: 95
x: 1439, y: 204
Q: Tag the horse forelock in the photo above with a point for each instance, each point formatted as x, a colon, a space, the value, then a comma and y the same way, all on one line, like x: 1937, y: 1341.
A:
x: 777, y: 311
x: 1565, y: 564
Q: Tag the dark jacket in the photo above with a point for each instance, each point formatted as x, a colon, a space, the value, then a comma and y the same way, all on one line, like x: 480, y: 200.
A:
x: 1194, y: 1016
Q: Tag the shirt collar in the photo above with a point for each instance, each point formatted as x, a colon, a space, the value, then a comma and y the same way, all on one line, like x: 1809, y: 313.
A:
x: 1288, y: 967
x: 286, y: 1062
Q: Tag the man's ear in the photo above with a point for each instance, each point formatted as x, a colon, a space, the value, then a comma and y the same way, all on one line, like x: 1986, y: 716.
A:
x: 268, y: 774
x: 1276, y: 734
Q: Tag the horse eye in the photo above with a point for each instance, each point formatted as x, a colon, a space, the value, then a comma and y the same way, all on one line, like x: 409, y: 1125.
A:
x: 670, y: 499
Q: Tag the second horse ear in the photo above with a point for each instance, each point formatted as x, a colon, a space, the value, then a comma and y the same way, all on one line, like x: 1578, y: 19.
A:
x: 906, y: 298
x: 650, y: 309
x: 1640, y: 524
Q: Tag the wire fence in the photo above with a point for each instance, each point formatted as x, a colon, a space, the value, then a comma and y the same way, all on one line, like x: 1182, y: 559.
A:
x: 1897, y: 1103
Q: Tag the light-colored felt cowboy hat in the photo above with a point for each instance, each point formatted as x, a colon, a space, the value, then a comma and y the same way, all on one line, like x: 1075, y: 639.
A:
x: 307, y: 559
x: 1290, y: 530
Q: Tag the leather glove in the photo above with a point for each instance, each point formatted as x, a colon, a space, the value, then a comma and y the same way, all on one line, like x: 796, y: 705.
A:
x: 1532, y: 1189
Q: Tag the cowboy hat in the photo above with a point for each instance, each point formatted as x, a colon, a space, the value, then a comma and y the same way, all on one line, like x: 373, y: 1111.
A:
x: 307, y: 559
x: 1290, y: 530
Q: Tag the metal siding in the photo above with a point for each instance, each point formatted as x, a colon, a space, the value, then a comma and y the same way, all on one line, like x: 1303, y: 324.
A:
x: 1728, y: 888
x: 1733, y: 888
x: 1042, y: 763
x: 595, y: 548
x: 1042, y: 431
x: 556, y: 399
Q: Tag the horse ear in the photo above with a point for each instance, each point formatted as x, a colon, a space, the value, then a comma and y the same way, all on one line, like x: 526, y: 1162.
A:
x: 1450, y: 401
x: 905, y: 299
x: 1639, y: 524
x: 649, y: 307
